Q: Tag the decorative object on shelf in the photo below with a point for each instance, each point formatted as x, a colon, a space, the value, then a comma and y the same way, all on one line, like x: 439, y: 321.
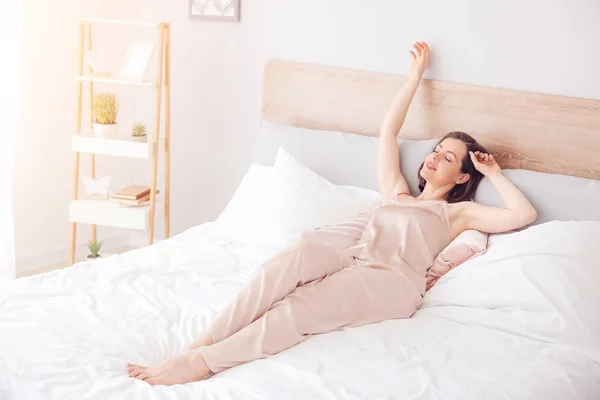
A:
x: 215, y: 10
x: 94, y: 248
x: 136, y: 60
x: 103, y: 62
x: 105, y: 115
x: 96, y: 189
x: 138, y: 132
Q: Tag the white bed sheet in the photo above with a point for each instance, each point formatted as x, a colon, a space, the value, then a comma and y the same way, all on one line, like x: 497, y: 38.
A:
x: 498, y: 327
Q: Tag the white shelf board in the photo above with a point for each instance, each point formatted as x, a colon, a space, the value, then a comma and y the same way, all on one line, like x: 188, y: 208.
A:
x: 108, y: 213
x: 112, y: 147
x: 120, y: 22
x: 100, y: 79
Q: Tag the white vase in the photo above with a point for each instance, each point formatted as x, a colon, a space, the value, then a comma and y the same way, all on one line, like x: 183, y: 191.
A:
x: 105, y: 131
x: 141, y: 139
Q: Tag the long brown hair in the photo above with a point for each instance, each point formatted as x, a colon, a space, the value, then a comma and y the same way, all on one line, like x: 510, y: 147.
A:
x: 461, y: 191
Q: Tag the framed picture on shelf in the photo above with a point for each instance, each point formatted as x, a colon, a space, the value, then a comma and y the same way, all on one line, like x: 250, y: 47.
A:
x: 214, y: 10
x: 137, y: 58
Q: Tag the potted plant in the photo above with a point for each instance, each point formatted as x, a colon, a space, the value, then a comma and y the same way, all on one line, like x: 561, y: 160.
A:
x: 138, y: 132
x: 105, y: 115
x: 94, y: 248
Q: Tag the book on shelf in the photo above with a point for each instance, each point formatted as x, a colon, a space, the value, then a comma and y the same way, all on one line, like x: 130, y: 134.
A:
x: 142, y: 201
x: 142, y: 204
x: 132, y: 192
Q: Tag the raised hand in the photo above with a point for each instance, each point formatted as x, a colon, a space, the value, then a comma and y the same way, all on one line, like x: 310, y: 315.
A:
x: 485, y: 163
x: 420, y: 59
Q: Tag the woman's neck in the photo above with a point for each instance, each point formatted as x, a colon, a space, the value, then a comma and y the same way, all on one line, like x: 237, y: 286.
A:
x: 430, y: 192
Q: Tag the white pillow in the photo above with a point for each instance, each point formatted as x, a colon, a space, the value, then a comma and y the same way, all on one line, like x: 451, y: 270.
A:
x: 554, y: 196
x: 341, y: 158
x: 541, y: 283
x: 272, y: 209
x: 355, y: 197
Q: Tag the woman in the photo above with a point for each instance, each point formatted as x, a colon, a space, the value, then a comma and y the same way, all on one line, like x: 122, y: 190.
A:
x: 312, y: 287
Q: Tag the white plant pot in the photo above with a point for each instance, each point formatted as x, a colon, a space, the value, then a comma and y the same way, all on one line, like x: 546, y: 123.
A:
x: 105, y: 131
x: 141, y: 139
x: 100, y: 255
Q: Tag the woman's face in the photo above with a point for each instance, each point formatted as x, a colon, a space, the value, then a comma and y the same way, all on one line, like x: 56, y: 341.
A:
x: 443, y: 166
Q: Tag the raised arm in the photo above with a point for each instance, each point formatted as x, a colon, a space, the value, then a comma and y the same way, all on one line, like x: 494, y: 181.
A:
x: 391, y: 181
x: 517, y: 213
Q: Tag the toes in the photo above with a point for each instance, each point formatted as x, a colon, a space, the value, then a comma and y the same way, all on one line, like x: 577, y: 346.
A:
x: 137, y: 373
x: 142, y: 377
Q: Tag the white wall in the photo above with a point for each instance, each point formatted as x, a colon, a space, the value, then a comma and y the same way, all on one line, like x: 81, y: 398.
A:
x: 534, y: 45
x: 217, y: 68
x: 216, y: 85
x: 540, y: 46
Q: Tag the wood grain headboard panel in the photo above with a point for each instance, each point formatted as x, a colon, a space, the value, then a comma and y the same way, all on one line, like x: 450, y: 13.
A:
x: 534, y: 131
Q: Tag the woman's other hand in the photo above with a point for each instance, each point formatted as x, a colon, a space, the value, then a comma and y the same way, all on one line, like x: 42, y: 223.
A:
x: 485, y: 163
x: 420, y: 59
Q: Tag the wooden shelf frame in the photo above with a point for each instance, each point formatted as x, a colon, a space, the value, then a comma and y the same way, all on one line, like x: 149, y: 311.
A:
x: 104, y: 212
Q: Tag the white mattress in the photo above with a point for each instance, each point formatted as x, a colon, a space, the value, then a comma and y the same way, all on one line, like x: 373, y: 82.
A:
x: 498, y: 327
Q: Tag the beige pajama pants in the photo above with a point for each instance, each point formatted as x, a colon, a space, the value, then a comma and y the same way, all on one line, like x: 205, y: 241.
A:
x: 309, y: 288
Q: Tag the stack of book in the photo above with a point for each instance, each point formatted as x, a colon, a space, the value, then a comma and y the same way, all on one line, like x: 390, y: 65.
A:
x: 132, y: 196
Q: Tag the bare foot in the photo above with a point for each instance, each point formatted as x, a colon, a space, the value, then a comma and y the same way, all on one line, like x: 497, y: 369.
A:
x: 203, y: 340
x: 188, y: 366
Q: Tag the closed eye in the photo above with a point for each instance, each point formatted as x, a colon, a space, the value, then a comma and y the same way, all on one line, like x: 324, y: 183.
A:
x: 436, y: 150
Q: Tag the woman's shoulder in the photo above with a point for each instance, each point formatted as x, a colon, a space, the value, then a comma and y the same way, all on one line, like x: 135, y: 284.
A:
x: 403, y: 196
x: 460, y: 212
x: 460, y: 207
x: 463, y: 204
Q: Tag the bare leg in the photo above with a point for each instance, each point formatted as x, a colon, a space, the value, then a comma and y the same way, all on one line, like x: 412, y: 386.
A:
x: 183, y: 368
x: 298, y: 264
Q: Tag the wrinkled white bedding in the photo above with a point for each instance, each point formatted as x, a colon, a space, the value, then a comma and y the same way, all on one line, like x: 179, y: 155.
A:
x: 520, y: 322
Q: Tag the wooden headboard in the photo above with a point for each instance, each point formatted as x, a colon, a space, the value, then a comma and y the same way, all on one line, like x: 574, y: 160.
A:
x: 534, y: 131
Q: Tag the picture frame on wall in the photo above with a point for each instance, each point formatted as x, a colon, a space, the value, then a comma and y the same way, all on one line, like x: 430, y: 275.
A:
x: 214, y: 10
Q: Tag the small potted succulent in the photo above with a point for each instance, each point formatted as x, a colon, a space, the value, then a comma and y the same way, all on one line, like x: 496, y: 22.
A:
x: 138, y: 132
x: 105, y: 115
x: 94, y: 248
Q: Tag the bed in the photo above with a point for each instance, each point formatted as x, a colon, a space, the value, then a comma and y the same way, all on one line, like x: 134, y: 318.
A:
x: 520, y: 322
